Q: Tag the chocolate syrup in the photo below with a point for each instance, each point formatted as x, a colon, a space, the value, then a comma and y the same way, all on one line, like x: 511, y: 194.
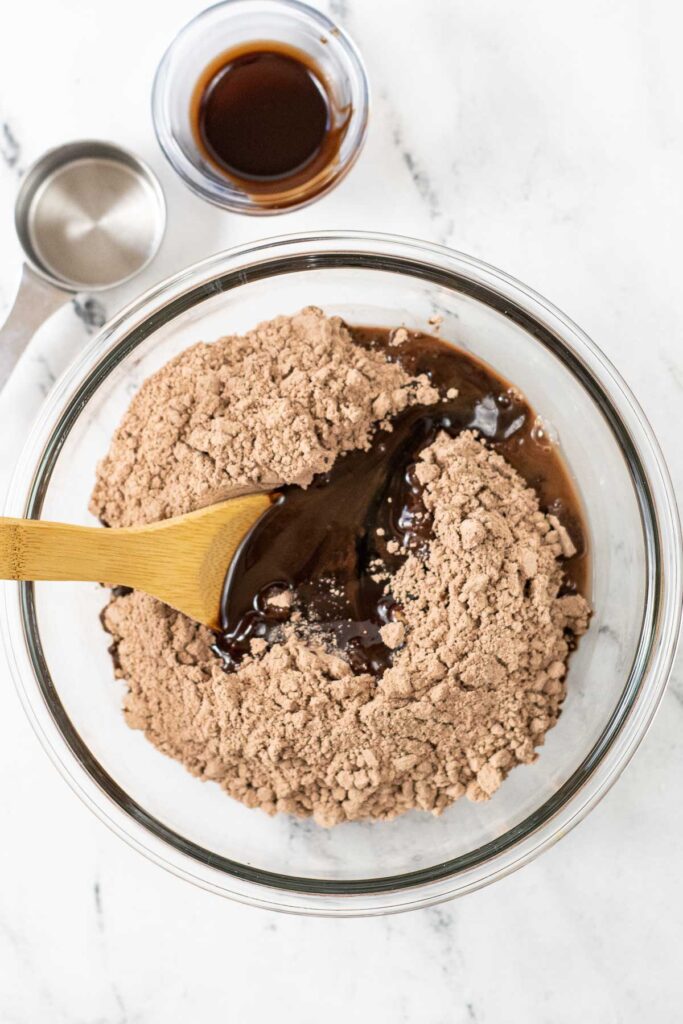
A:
x: 261, y: 113
x: 330, y: 545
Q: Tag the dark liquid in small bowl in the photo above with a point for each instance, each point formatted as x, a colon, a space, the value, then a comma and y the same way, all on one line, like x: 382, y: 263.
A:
x: 263, y: 116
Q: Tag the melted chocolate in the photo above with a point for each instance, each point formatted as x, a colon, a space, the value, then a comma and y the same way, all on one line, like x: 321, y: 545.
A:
x: 329, y: 545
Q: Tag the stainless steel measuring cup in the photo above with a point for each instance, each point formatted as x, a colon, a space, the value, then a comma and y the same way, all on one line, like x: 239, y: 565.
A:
x: 89, y: 215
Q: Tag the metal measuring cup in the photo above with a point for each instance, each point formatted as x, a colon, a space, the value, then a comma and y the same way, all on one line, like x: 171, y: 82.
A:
x: 89, y: 216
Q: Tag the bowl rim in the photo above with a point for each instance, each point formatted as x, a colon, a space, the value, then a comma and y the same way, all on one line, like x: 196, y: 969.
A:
x: 647, y: 678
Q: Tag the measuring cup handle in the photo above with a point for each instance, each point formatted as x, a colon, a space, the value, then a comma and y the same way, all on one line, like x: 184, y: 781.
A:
x: 35, y: 301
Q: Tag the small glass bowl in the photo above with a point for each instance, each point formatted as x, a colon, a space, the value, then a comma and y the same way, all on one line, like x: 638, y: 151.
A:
x: 231, y: 24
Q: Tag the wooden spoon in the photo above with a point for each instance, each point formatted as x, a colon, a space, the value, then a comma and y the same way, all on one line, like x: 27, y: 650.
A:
x: 182, y: 561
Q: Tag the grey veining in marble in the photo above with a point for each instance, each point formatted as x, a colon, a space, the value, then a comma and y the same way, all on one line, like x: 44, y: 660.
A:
x: 10, y: 150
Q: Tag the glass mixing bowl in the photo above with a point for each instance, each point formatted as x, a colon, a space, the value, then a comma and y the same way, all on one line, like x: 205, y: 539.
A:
x: 58, y: 651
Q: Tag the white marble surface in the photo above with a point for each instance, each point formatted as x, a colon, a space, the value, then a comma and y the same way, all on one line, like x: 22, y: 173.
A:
x: 545, y: 139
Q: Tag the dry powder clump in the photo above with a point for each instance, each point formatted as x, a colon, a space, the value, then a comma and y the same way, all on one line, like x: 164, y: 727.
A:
x: 274, y: 406
x: 478, y: 676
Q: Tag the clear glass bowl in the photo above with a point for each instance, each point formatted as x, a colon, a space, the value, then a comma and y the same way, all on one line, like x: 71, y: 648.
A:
x: 58, y: 652
x: 227, y: 25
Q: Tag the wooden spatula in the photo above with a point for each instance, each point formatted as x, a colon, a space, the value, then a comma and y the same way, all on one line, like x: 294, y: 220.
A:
x: 182, y: 561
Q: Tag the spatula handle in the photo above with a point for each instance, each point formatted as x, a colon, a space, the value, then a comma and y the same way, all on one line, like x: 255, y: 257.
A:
x: 181, y: 561
x: 32, y: 549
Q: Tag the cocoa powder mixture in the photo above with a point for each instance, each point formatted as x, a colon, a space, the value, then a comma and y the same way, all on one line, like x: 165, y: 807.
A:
x: 479, y: 651
x: 275, y: 406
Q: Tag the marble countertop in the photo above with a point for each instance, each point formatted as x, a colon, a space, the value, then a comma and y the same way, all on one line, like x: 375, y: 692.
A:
x: 546, y: 140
